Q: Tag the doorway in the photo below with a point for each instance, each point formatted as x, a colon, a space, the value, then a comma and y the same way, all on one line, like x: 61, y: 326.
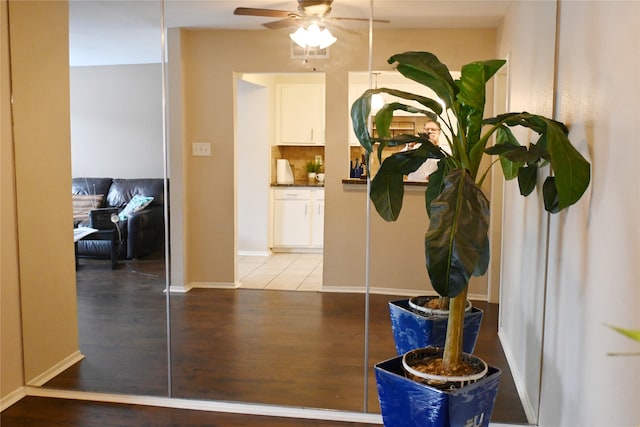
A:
x: 260, y: 261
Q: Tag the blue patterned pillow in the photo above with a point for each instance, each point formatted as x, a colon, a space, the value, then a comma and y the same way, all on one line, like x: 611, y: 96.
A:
x: 136, y: 204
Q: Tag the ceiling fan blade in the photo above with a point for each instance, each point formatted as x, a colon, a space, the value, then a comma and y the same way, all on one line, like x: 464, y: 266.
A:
x: 282, y: 23
x: 382, y: 21
x: 269, y: 13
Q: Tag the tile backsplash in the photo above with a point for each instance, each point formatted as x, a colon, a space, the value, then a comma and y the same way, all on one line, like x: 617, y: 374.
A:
x: 298, y: 157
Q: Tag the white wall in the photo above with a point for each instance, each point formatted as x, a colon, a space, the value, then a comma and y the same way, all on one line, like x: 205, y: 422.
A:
x: 116, y: 121
x: 595, y: 245
x: 252, y: 167
x: 530, y: 77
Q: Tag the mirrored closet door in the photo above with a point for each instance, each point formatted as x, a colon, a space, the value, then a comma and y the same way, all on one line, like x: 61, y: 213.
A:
x: 184, y: 326
x: 117, y: 157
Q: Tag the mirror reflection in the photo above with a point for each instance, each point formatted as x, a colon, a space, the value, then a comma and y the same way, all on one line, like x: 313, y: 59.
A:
x: 118, y: 196
x: 277, y: 318
x: 228, y: 338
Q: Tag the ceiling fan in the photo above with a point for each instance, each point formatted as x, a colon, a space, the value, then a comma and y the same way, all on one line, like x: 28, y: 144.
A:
x: 308, y: 11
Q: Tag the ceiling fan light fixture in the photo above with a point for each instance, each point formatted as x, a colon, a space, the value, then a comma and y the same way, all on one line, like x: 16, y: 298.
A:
x: 299, y: 37
x: 326, y: 38
x: 313, y: 37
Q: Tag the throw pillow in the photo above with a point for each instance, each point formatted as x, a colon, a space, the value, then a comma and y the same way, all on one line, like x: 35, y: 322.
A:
x: 136, y: 204
x: 83, y: 203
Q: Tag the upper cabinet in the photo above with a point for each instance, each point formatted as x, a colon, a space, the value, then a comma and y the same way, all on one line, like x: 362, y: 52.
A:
x: 300, y: 114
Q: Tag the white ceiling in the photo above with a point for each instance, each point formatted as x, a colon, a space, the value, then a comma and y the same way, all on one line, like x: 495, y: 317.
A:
x: 128, y: 31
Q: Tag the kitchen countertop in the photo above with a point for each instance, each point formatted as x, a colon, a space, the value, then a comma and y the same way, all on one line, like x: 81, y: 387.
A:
x: 363, y: 181
x: 302, y: 183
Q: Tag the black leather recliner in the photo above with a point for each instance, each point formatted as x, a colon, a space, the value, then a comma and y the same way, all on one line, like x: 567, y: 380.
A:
x: 142, y: 232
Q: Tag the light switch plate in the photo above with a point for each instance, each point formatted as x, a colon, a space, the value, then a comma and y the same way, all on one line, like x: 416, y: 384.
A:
x: 201, y: 149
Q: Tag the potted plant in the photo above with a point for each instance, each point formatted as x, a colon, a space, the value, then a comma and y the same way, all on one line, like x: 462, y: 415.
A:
x: 457, y: 241
x: 313, y: 167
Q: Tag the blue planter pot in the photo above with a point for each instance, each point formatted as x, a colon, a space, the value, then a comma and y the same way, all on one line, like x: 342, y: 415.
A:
x: 412, y: 330
x: 407, y: 403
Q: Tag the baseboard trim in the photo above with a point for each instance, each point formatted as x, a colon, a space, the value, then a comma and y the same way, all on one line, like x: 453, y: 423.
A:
x: 56, y: 369
x: 12, y: 398
x: 213, y: 285
x: 286, y: 250
x: 390, y: 291
x: 333, y: 289
x: 178, y: 289
x: 211, y: 406
x: 255, y: 253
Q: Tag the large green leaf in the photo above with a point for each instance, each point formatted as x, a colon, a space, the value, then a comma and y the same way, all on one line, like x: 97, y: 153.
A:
x: 473, y: 81
x: 472, y: 95
x: 527, y: 177
x: 387, y: 187
x: 518, y: 153
x: 455, y: 241
x: 505, y: 138
x: 360, y: 111
x: 483, y: 263
x: 430, y: 103
x: 630, y: 333
x: 532, y: 121
x: 550, y: 195
x: 572, y: 172
x: 426, y: 69
x: 387, y: 192
x: 435, y: 185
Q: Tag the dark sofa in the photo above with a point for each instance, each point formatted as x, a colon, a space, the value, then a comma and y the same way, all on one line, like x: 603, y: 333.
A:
x: 142, y: 232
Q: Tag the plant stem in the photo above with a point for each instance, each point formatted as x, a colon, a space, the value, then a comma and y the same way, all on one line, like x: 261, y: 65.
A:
x: 453, y: 342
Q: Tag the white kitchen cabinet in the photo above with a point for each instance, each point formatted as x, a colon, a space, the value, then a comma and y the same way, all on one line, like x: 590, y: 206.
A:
x: 300, y: 114
x: 298, y: 218
x: 317, y: 218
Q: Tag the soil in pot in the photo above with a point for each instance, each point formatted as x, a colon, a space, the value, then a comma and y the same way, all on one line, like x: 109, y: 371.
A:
x: 430, y: 306
x: 426, y: 365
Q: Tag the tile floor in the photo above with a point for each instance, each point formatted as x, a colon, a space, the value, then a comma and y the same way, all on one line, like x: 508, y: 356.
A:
x: 281, y: 271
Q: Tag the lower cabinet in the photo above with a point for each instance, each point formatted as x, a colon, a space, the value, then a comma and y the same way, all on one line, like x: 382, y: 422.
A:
x: 298, y: 218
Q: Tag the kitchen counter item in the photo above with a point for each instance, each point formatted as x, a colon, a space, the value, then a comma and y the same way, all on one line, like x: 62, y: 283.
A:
x: 284, y: 174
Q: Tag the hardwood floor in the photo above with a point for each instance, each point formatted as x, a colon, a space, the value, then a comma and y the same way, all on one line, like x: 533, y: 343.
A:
x: 48, y: 412
x: 260, y: 346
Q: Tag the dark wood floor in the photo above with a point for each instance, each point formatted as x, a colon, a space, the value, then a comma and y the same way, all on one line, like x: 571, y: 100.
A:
x: 49, y: 412
x: 269, y: 347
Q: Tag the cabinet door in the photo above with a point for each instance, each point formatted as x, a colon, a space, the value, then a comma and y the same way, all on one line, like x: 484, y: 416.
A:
x: 291, y: 222
x: 301, y: 113
x: 317, y: 223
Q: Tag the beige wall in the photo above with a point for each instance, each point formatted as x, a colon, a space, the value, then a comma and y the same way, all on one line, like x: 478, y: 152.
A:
x: 44, y: 257
x: 11, y: 378
x: 210, y: 59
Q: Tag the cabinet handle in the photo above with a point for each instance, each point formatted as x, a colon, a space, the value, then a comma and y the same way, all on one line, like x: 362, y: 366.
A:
x: 312, y: 134
x: 306, y: 209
